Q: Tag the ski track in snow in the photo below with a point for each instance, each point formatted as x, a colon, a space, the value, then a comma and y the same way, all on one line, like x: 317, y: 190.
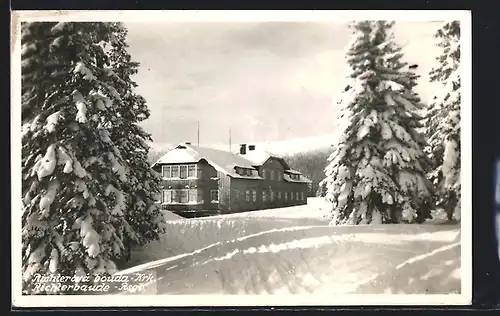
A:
x: 166, y: 260
x: 246, y: 255
x: 426, y: 255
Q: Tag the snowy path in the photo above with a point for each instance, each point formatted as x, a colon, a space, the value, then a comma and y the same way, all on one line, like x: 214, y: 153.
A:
x: 270, y: 255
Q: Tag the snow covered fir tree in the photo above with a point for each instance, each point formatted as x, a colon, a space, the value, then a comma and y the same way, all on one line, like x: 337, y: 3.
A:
x: 143, y: 183
x: 377, y: 172
x: 443, y: 126
x: 87, y: 193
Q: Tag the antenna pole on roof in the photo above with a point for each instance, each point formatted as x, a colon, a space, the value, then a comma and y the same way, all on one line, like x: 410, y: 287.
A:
x: 198, y: 133
x: 229, y: 140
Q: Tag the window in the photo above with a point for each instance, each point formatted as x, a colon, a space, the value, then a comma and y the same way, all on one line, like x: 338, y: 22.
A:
x: 254, y: 195
x: 279, y: 195
x: 247, y: 195
x: 272, y: 196
x: 200, y: 197
x: 286, y: 196
x: 271, y: 175
x: 183, y: 172
x: 167, y: 196
x: 291, y: 196
x: 302, y: 196
x: 193, y: 195
x: 245, y: 172
x: 175, y: 171
x: 214, y: 195
x: 264, y: 196
x: 166, y: 171
x: 264, y: 174
x: 278, y: 176
x: 180, y: 196
x: 191, y: 171
x: 183, y: 196
x: 297, y: 196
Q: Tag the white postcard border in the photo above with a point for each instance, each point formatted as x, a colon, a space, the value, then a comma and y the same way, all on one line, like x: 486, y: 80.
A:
x: 18, y: 300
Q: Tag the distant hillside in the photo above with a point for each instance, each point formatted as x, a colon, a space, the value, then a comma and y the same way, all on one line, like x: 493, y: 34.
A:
x: 291, y: 146
x: 299, y: 145
x: 312, y: 165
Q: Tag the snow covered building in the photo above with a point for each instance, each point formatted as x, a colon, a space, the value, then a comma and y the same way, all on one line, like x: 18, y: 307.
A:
x: 206, y: 180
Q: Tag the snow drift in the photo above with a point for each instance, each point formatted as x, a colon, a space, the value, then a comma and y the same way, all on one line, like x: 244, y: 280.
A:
x: 257, y: 254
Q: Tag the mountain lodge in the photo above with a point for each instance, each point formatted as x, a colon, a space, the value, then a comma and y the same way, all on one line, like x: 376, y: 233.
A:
x: 210, y: 181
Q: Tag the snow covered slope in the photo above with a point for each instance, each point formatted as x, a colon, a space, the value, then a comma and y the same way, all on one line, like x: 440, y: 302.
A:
x: 279, y: 251
x: 298, y: 145
x: 282, y: 148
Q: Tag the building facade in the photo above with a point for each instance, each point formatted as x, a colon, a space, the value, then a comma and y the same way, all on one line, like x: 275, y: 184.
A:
x: 209, y: 181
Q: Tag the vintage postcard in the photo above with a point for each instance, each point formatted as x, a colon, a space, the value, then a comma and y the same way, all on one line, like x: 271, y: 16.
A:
x: 241, y: 158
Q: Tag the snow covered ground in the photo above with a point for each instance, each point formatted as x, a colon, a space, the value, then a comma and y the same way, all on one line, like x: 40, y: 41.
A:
x: 293, y: 250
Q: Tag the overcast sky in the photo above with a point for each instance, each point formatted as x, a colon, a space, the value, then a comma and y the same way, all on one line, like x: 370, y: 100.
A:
x: 264, y: 81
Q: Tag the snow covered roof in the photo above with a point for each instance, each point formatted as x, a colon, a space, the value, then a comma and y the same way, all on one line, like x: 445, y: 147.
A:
x: 258, y: 157
x: 223, y: 161
x: 301, y: 179
x: 292, y: 171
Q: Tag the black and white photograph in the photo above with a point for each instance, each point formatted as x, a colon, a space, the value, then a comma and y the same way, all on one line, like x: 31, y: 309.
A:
x: 241, y: 158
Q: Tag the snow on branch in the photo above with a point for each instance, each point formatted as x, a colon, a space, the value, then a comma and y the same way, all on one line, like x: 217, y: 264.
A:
x: 81, y: 106
x: 450, y: 161
x: 385, y: 85
x: 110, y: 73
x: 64, y: 159
x: 59, y: 27
x: 112, y: 91
x: 90, y: 237
x: 78, y: 170
x: 52, y: 120
x: 117, y: 167
x: 48, y: 198
x: 81, y: 187
x: 409, y: 106
x: 82, y: 69
x: 120, y: 203
x: 45, y: 166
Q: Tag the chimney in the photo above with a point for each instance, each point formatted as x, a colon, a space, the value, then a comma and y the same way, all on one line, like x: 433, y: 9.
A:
x: 243, y: 149
x: 251, y: 147
x: 188, y: 143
